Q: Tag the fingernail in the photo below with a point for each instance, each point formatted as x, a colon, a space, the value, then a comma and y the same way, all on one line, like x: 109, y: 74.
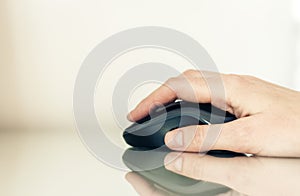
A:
x: 128, y: 177
x: 174, y: 140
x: 129, y: 116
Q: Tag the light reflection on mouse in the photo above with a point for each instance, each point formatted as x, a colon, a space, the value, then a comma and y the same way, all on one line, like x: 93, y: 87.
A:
x: 245, y: 175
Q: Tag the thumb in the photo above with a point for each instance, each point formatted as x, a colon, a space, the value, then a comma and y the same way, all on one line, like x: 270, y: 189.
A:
x: 234, y: 136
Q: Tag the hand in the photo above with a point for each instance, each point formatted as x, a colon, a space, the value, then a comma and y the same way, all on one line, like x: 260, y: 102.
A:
x: 268, y: 115
x: 246, y: 175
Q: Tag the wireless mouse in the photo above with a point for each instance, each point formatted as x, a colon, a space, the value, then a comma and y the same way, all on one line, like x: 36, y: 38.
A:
x: 150, y: 131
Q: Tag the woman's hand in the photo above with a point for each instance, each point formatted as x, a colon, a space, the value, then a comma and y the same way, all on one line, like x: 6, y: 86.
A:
x: 268, y: 115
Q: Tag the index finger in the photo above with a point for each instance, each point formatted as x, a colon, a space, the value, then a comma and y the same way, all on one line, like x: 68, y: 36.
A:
x: 162, y: 95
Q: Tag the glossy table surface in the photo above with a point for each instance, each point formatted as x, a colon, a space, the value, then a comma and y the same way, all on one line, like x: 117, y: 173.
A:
x: 55, y: 162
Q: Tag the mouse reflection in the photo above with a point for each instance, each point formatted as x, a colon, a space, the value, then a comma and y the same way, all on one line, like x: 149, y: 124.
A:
x: 148, y: 188
x: 243, y: 175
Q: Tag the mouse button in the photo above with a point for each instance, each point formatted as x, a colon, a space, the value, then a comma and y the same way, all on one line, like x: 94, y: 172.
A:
x: 170, y: 124
x: 143, y: 120
x: 152, y: 137
x: 144, y: 131
x: 185, y: 104
x: 190, y: 116
x: 163, y: 109
x: 196, y: 113
x: 188, y: 120
x: 153, y: 117
x: 168, y: 107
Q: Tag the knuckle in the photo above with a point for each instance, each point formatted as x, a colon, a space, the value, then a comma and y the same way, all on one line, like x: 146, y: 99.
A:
x: 234, y: 79
x: 244, y: 144
x: 245, y: 137
x: 233, y: 85
x: 173, y: 84
x: 189, y: 72
x: 199, y: 137
x: 171, y: 81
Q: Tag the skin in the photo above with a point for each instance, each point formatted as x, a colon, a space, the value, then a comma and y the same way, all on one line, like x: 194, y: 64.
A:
x: 146, y: 188
x: 268, y: 115
x: 245, y: 175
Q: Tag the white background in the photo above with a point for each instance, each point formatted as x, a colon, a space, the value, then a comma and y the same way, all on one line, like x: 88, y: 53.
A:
x: 43, y: 43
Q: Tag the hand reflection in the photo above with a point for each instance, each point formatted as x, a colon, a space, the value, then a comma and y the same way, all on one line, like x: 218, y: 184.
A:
x: 146, y: 188
x: 150, y: 177
x: 247, y: 175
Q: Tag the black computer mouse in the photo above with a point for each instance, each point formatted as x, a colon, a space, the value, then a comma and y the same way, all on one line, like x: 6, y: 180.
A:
x: 150, y: 131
